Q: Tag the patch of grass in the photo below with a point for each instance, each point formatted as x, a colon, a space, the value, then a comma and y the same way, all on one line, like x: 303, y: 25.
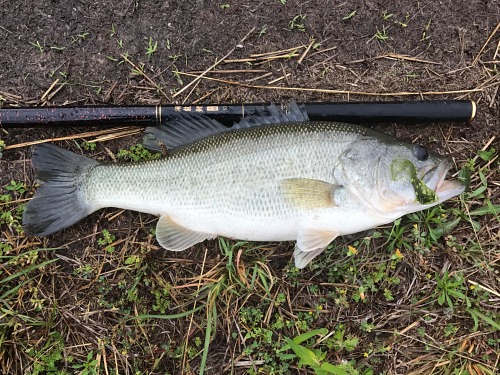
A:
x: 89, y: 367
x: 138, y: 70
x: 425, y: 34
x: 88, y: 146
x: 113, y: 30
x: 137, y: 153
x: 451, y: 290
x: 106, y: 241
x: 10, y: 212
x: 349, y: 16
x: 78, y: 38
x: 25, y: 309
x: 297, y: 23
x: 314, y: 358
x: 151, y: 48
x: 387, y: 16
x: 49, y: 356
x: 262, y: 31
x: 37, y: 45
x: 57, y: 48
x: 382, y: 35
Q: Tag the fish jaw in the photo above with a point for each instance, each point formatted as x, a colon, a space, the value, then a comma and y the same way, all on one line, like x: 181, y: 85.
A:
x: 447, y: 189
x: 435, y: 179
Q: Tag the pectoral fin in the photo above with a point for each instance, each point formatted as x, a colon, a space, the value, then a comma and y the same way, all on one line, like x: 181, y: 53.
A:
x: 307, y: 193
x: 175, y: 237
x: 311, y: 243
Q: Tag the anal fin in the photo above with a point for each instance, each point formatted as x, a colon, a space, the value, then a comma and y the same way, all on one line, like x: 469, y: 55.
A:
x: 175, y: 237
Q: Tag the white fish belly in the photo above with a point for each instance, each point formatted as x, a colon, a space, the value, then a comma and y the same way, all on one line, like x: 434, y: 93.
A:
x: 242, y: 228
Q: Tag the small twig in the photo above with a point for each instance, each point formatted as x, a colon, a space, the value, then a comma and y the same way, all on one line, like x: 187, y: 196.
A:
x: 396, y: 56
x: 323, y: 51
x: 199, y: 100
x: 306, y: 51
x: 213, y: 65
x: 406, y: 57
x: 325, y: 60
x: 259, y: 77
x: 225, y: 61
x: 230, y: 71
x: 46, y: 93
x: 190, y: 92
x: 116, y: 135
x: 112, y: 133
x: 279, y: 79
x: 107, y: 96
x: 262, y: 59
x: 274, y: 53
x: 487, y: 82
x: 412, y: 325
x: 12, y: 97
x: 142, y: 73
x: 54, y: 93
x: 496, y: 50
x: 271, y: 58
x: 476, y: 59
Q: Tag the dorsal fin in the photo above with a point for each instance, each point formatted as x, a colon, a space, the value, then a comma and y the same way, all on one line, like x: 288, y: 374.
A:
x: 272, y: 114
x: 180, y: 129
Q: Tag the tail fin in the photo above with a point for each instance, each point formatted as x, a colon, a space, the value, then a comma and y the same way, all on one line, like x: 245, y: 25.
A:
x: 60, y: 201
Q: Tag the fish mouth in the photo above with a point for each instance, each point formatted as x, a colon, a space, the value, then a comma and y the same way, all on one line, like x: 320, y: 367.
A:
x: 435, y: 179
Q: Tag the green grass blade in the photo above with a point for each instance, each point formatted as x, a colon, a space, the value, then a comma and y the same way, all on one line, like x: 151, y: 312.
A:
x: 27, y: 270
x: 305, y: 336
x: 212, y: 313
x: 485, y: 210
x: 307, y: 356
x: 23, y: 272
x: 485, y: 318
x: 332, y: 369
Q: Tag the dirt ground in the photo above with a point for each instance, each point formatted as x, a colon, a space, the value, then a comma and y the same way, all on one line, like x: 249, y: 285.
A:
x: 121, y: 52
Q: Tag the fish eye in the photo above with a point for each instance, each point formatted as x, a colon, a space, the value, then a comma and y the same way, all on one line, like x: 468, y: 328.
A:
x: 420, y: 152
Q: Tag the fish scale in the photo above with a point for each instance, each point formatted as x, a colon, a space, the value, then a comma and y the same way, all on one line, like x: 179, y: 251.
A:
x: 236, y: 173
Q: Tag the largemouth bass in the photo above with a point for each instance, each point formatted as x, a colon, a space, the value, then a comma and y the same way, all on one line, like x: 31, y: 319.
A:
x: 275, y: 176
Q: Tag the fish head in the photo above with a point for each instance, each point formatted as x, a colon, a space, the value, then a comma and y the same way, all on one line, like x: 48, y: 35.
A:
x: 396, y: 178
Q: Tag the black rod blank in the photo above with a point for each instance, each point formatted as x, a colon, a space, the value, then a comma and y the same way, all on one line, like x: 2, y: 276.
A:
x: 353, y: 112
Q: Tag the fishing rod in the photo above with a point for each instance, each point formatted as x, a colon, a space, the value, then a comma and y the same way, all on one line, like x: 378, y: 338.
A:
x: 411, y: 112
